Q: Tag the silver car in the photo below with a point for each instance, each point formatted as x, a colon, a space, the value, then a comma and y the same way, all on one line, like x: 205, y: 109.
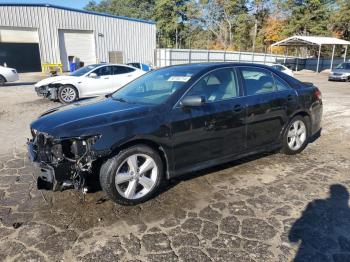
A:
x: 340, y: 73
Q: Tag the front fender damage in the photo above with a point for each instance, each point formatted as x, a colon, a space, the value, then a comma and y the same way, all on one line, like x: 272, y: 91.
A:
x: 64, y: 162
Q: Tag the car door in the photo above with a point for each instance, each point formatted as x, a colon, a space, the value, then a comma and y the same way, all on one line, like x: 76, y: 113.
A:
x: 267, y: 107
x: 213, y: 130
x: 98, y: 82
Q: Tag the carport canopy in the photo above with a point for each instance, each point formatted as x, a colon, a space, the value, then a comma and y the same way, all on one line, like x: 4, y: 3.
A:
x: 298, y: 41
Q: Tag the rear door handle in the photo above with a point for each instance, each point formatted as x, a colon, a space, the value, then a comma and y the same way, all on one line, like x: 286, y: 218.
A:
x: 237, y: 108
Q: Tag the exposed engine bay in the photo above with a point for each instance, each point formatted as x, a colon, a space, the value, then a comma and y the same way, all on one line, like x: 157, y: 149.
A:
x: 48, y: 91
x: 64, y: 162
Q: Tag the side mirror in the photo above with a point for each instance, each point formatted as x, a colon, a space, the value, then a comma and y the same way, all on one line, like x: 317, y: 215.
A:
x: 93, y: 75
x: 190, y: 101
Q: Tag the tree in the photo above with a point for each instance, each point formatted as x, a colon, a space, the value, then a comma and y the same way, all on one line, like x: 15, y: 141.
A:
x: 341, y: 19
x: 307, y: 17
x: 131, y: 8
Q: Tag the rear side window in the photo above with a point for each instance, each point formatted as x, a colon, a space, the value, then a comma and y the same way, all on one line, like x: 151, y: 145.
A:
x: 104, y: 71
x: 281, y: 85
x: 117, y: 70
x: 257, y: 80
x: 218, y: 85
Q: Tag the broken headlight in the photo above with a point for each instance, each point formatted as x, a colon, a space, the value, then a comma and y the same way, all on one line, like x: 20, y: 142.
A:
x: 78, y: 147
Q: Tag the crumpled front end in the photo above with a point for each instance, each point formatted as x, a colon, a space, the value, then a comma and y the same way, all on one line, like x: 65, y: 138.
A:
x: 64, y: 163
x: 47, y: 91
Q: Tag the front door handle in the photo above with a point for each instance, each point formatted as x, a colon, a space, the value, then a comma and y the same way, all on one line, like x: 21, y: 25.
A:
x: 237, y: 108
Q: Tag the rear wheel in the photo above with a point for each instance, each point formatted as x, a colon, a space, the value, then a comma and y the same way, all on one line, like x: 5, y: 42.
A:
x: 2, y: 80
x: 296, y: 135
x: 133, y: 176
x: 67, y: 94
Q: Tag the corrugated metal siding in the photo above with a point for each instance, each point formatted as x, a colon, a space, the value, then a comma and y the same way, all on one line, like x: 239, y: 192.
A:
x: 137, y: 40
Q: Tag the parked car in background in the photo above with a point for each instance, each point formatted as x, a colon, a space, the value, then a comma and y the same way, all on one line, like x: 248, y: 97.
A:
x: 143, y: 67
x: 282, y: 69
x: 7, y: 75
x: 340, y: 72
x: 88, y: 81
x: 172, y: 121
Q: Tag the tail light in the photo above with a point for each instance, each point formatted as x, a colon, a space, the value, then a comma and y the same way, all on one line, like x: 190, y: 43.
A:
x: 318, y: 94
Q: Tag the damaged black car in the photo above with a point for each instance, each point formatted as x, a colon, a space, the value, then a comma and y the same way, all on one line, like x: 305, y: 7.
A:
x: 169, y: 122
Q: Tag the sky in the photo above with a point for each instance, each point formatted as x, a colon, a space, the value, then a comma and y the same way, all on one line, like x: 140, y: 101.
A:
x: 79, y: 4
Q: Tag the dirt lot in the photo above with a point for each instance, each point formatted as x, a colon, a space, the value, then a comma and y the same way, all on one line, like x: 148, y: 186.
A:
x: 268, y: 207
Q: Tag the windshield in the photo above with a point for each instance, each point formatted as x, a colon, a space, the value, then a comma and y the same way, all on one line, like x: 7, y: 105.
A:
x: 83, y: 70
x: 343, y: 66
x: 137, y: 65
x: 155, y: 87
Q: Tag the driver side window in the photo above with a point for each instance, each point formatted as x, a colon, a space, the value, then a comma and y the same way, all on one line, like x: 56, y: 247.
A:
x: 218, y: 85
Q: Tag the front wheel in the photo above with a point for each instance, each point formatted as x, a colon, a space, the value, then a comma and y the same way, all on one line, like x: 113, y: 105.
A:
x: 67, y: 94
x: 295, y: 138
x: 133, y: 176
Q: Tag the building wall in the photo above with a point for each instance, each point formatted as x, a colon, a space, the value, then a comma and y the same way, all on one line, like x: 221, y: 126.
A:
x: 136, y: 39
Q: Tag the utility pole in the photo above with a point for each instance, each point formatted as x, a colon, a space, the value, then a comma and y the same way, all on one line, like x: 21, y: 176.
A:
x: 255, y: 33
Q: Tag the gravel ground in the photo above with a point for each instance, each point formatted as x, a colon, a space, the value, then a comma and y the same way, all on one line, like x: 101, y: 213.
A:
x: 268, y: 207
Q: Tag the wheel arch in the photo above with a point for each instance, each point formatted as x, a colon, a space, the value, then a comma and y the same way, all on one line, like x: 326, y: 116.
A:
x: 1, y: 75
x: 69, y: 84
x: 305, y: 115
x: 152, y: 144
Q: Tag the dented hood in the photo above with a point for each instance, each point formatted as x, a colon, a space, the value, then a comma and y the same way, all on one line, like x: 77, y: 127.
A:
x: 54, y: 79
x: 87, y: 117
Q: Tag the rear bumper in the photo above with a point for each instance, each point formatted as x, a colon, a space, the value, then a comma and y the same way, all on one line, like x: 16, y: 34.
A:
x: 316, y: 117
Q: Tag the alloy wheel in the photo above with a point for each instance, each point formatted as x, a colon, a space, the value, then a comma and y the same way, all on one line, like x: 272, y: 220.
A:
x: 136, y: 176
x: 68, y: 94
x: 296, y: 135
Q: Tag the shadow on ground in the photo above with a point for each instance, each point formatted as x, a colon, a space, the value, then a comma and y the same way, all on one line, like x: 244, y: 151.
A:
x: 19, y: 84
x: 324, y: 228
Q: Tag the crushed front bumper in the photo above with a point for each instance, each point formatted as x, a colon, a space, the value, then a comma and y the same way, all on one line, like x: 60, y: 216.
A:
x: 47, y: 92
x: 46, y: 179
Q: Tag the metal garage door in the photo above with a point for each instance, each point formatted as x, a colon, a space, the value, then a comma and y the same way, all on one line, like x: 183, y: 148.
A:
x: 80, y: 44
x: 19, y: 48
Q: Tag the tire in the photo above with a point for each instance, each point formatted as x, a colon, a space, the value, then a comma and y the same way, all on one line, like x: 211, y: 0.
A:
x: 128, y: 188
x: 2, y: 80
x: 67, y: 94
x: 293, y: 143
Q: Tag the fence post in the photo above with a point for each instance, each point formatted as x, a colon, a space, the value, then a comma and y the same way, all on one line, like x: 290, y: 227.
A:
x: 189, y: 56
x: 170, y: 57
x: 225, y: 56
x: 239, y: 56
x: 208, y: 55
x: 265, y: 57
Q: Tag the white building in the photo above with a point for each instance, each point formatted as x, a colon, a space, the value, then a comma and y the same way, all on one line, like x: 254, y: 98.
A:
x: 35, y: 34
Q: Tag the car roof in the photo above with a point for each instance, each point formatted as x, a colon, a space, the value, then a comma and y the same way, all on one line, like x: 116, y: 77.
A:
x: 213, y: 65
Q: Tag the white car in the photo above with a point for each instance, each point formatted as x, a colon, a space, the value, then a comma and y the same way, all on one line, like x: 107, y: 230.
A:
x: 281, y: 68
x: 88, y: 81
x: 7, y: 75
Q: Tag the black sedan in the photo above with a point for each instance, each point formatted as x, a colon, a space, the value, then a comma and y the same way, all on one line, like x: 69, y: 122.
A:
x: 172, y: 121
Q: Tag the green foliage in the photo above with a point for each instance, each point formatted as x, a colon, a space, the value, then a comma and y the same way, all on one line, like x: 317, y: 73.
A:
x: 233, y: 24
x: 131, y: 8
x: 308, y: 17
